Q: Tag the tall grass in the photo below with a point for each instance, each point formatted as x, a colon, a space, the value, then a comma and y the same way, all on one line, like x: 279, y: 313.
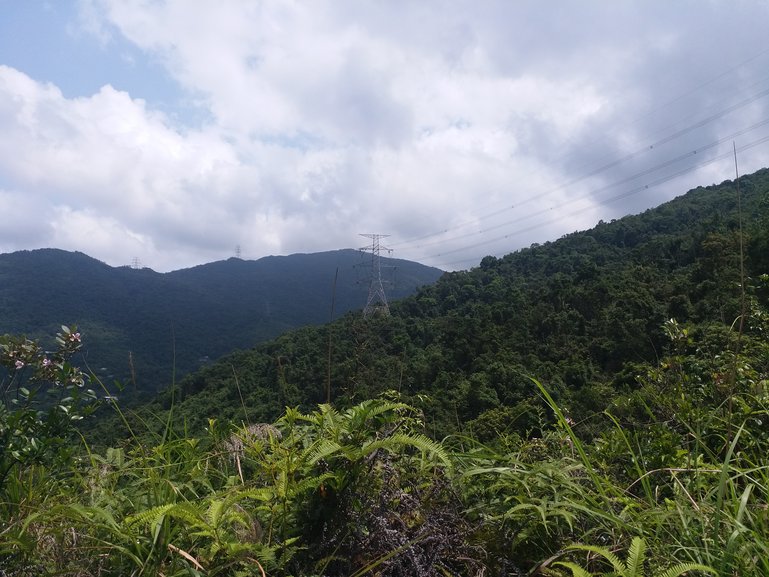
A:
x: 565, y: 505
x: 671, y: 483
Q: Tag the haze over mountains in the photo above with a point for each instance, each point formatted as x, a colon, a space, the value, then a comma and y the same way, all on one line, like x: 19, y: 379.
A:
x: 147, y: 327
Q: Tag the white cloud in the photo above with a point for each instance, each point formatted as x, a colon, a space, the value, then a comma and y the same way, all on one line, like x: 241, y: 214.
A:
x: 107, y: 157
x: 325, y: 119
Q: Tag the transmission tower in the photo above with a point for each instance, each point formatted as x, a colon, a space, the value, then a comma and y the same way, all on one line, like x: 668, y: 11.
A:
x: 377, y: 300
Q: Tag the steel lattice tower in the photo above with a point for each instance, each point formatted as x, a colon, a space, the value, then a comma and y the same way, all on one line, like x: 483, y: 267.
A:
x: 377, y: 300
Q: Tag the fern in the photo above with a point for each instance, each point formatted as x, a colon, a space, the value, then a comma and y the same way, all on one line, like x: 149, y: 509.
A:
x: 149, y: 517
x: 633, y: 567
x: 416, y: 440
x: 367, y: 410
x: 323, y: 449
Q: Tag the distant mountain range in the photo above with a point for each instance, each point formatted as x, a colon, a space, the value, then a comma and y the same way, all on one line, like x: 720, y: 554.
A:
x: 148, y: 328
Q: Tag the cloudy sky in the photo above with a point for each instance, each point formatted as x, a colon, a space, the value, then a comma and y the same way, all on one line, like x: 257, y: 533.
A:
x: 175, y: 131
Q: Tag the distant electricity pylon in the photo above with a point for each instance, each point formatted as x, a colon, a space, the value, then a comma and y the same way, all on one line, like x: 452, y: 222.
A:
x: 377, y: 300
x: 237, y: 251
x: 136, y: 263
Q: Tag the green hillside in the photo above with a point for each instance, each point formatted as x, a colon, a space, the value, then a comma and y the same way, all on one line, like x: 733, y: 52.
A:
x: 596, y: 406
x: 144, y: 326
x: 580, y: 313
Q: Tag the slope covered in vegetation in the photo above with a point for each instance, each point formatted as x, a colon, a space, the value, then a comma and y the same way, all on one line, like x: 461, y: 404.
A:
x: 579, y: 314
x: 145, y: 327
x: 593, y: 406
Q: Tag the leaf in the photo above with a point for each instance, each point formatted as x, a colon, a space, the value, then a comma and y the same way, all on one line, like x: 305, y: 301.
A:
x: 186, y: 555
x: 416, y: 440
x: 150, y: 516
x: 635, y: 557
x: 682, y: 568
x: 575, y: 569
x: 618, y: 566
x: 324, y: 449
x: 216, y: 510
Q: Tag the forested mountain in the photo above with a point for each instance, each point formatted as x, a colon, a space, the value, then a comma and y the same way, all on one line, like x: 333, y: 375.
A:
x: 593, y: 406
x: 580, y: 313
x: 143, y: 325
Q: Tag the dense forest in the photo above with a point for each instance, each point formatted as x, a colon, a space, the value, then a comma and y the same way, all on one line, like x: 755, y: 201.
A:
x: 148, y: 328
x: 596, y: 405
x: 580, y: 314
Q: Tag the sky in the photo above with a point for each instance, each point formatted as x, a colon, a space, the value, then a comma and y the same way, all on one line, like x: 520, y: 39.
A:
x: 173, y: 133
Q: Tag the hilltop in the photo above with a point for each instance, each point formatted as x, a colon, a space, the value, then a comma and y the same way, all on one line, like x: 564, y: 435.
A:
x: 147, y: 328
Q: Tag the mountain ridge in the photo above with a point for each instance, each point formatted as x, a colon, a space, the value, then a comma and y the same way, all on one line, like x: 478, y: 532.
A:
x: 145, y: 325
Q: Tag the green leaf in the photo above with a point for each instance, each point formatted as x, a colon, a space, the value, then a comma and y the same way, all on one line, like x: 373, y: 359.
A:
x: 575, y: 569
x: 618, y: 566
x: 635, y: 558
x: 682, y: 568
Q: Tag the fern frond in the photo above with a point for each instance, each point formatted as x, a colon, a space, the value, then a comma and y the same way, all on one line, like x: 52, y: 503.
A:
x: 189, y: 513
x: 216, y: 511
x: 382, y: 406
x: 150, y: 516
x: 576, y: 570
x: 186, y: 512
x: 311, y: 483
x: 265, y: 555
x: 327, y: 417
x: 635, y: 557
x: 371, y: 408
x: 324, y: 449
x: 618, y: 566
x: 682, y: 568
x: 258, y: 494
x: 416, y: 440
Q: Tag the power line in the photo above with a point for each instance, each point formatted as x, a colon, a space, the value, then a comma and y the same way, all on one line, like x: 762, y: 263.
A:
x: 667, y: 135
x: 606, y: 201
x: 613, y: 163
x: 690, y: 154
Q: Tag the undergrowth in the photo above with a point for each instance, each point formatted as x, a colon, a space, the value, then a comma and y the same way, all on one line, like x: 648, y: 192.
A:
x: 671, y: 479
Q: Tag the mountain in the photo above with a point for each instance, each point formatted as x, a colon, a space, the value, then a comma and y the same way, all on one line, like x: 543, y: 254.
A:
x: 142, y: 326
x: 610, y: 391
x: 587, y: 314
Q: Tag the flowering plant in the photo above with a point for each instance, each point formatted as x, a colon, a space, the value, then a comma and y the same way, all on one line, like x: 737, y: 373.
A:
x: 42, y: 393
